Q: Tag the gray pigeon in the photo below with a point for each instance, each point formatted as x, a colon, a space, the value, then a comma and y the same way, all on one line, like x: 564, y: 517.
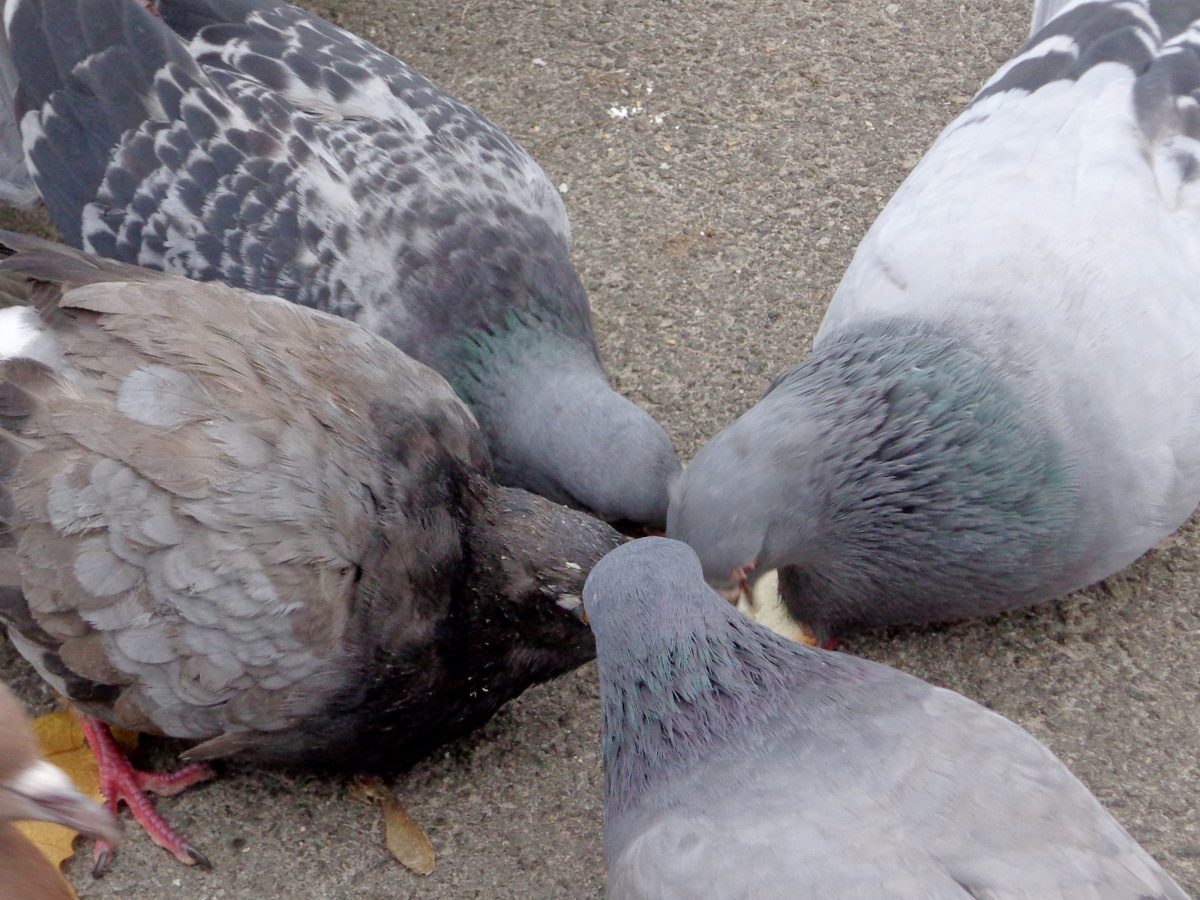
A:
x: 1003, y: 401
x: 32, y: 789
x: 738, y: 764
x: 233, y: 520
x: 250, y: 142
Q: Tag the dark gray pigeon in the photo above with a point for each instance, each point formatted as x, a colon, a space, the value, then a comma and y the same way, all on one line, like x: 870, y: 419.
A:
x: 233, y: 520
x: 1003, y: 401
x: 250, y: 142
x: 738, y: 764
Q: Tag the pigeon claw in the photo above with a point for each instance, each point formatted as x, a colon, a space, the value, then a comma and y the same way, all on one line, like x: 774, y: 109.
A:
x: 122, y: 783
x: 102, y: 857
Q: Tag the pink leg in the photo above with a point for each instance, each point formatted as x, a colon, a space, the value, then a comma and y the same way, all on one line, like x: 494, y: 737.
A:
x: 120, y: 781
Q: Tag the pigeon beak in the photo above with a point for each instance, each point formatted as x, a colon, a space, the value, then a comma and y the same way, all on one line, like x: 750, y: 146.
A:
x: 44, y: 793
x: 732, y: 594
x: 739, y: 590
x: 573, y: 604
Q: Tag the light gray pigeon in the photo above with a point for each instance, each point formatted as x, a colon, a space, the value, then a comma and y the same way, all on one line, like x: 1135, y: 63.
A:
x: 233, y: 520
x: 1003, y: 401
x: 32, y: 789
x: 738, y: 764
x: 250, y: 142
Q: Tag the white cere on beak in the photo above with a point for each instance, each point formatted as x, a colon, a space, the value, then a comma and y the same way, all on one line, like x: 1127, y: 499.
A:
x: 569, y: 602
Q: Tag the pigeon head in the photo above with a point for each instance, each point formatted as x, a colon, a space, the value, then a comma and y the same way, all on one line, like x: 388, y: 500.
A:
x: 683, y: 675
x: 651, y: 590
x: 745, y: 504
x: 893, y: 473
x: 530, y: 558
x: 32, y: 789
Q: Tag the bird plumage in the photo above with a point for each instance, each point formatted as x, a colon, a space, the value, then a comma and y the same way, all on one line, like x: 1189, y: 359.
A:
x: 251, y: 142
x: 1043, y: 430
x: 234, y: 520
x: 740, y: 764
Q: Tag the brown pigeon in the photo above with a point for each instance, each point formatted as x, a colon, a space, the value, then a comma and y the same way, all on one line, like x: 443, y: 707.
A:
x: 237, y: 521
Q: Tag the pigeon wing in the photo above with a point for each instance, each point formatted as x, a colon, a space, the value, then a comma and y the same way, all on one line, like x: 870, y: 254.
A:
x: 193, y: 482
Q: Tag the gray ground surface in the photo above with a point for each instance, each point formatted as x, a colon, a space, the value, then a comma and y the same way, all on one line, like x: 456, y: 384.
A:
x: 712, y: 225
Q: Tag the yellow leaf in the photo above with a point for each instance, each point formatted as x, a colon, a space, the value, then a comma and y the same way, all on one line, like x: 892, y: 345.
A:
x: 405, y: 839
x: 62, y: 742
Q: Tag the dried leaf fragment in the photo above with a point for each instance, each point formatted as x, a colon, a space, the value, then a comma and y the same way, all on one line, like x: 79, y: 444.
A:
x: 405, y: 839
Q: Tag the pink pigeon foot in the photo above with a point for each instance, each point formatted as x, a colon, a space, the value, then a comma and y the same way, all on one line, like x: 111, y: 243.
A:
x: 121, y: 782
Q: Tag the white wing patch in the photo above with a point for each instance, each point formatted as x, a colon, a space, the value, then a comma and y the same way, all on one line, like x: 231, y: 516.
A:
x: 22, y: 334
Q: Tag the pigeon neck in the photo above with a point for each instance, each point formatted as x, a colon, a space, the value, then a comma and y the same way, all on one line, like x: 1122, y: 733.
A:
x: 709, y: 688
x: 539, y: 420
x: 491, y: 613
x: 552, y: 422
x: 533, y: 320
x: 937, y: 477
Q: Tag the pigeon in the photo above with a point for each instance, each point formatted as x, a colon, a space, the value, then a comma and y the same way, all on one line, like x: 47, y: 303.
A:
x: 260, y: 528
x: 1001, y: 404
x: 251, y: 142
x: 738, y: 764
x: 32, y: 789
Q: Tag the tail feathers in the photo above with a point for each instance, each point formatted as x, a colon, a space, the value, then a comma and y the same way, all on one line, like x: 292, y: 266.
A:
x: 85, y: 75
x: 27, y: 261
x: 34, y: 274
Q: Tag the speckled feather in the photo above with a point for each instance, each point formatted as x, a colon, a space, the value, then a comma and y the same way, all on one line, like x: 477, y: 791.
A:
x: 1050, y: 241
x: 739, y: 764
x: 233, y: 519
x: 251, y: 142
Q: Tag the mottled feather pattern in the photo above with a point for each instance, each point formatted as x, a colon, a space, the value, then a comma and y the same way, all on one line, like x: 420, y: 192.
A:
x: 210, y: 598
x: 280, y: 154
x: 250, y: 142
